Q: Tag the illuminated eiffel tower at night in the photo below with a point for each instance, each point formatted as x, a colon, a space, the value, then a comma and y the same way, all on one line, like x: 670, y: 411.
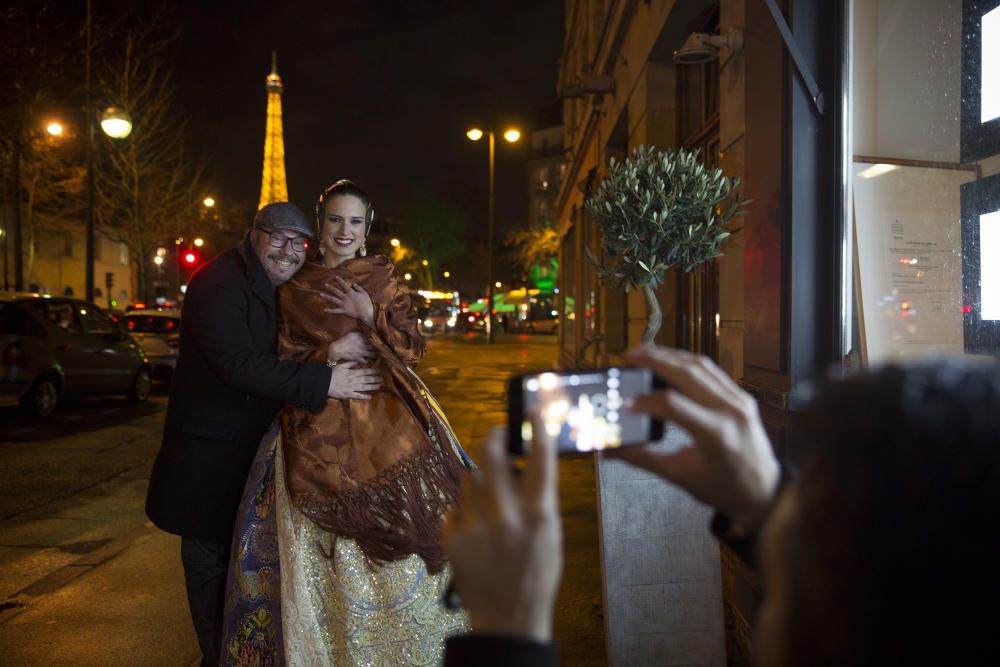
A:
x: 272, y: 183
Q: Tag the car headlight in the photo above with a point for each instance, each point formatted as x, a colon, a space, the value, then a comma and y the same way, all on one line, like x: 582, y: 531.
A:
x: 428, y: 324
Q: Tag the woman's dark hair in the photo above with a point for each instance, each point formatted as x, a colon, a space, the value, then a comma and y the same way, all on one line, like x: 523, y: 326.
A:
x: 344, y: 187
x: 894, y: 536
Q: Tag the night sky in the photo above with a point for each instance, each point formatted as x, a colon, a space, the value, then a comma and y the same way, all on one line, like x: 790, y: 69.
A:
x: 380, y: 92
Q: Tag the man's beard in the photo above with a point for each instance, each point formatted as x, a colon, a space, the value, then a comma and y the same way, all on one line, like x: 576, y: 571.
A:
x: 281, y: 280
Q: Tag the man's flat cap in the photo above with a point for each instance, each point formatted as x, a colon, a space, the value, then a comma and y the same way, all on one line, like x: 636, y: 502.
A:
x: 284, y: 216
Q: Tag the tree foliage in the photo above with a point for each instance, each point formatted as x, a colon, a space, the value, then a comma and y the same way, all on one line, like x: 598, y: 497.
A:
x: 537, y: 245
x: 149, y: 184
x: 434, y: 229
x: 659, y: 210
x: 39, y: 52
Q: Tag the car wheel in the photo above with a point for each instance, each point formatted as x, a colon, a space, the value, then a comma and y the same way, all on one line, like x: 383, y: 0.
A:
x: 43, y: 397
x: 141, y: 385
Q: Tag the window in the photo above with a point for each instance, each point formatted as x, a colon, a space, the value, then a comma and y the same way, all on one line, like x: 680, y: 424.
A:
x: 60, y: 313
x: 925, y: 147
x: 98, y: 323
x: 13, y: 320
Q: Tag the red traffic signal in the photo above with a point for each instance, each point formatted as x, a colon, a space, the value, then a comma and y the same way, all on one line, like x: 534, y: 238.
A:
x: 190, y: 258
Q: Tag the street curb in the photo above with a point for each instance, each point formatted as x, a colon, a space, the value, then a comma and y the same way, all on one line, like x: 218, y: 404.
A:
x: 22, y: 600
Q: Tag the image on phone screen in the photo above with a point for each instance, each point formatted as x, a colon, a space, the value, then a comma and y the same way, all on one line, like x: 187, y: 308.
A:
x: 585, y: 410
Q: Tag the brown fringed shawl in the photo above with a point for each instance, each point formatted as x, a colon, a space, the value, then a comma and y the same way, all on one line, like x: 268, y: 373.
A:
x: 381, y: 472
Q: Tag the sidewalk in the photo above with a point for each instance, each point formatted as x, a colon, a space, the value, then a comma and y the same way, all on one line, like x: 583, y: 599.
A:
x: 124, y: 604
x: 121, y: 605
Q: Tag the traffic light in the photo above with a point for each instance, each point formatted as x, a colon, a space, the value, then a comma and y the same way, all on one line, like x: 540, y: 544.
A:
x: 109, y: 279
x: 189, y: 258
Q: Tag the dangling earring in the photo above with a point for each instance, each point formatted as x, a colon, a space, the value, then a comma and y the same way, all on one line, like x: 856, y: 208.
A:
x: 364, y: 250
x: 322, y: 250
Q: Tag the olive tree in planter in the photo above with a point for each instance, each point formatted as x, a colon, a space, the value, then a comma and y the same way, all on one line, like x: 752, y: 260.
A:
x: 659, y: 210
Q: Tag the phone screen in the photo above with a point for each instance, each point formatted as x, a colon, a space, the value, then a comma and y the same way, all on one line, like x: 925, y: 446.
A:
x: 582, y: 410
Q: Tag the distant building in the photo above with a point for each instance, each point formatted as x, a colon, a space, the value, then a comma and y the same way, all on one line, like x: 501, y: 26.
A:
x: 545, y: 164
x: 56, y: 266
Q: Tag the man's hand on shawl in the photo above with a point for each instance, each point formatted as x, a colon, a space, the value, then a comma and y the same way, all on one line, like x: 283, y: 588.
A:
x: 352, y: 347
x: 505, y: 541
x: 349, y: 381
x: 351, y: 299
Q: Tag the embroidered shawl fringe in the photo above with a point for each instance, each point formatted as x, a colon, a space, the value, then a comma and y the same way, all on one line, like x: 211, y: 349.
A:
x: 398, y: 512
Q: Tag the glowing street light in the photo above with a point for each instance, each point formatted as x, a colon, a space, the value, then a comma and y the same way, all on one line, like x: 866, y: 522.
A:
x: 394, y: 243
x: 424, y: 262
x: 511, y: 135
x: 209, y: 202
x: 199, y: 242
x: 158, y: 260
x: 407, y: 275
x: 497, y: 284
x: 447, y: 274
x: 116, y: 123
x: 54, y: 128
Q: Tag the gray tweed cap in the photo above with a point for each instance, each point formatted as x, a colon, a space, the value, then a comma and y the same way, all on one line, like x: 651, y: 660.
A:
x: 284, y: 216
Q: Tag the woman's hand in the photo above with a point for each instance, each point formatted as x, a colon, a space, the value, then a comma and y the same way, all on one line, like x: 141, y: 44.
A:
x: 352, y: 347
x: 350, y: 299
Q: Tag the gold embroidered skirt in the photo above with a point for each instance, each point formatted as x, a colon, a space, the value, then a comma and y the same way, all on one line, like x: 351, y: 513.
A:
x: 341, y: 612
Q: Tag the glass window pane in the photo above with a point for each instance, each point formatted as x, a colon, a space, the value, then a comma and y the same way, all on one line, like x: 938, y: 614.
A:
x: 921, y: 226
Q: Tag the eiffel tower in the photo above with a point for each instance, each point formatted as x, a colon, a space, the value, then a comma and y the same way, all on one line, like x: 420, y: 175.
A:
x: 272, y: 183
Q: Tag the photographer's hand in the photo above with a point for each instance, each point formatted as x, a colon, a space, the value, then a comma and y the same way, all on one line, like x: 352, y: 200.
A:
x: 730, y: 465
x: 505, y: 541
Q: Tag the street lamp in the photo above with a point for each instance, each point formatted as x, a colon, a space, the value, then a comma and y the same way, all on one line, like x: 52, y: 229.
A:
x: 116, y: 123
x: 394, y: 243
x: 209, y: 202
x: 511, y: 135
x: 54, y: 128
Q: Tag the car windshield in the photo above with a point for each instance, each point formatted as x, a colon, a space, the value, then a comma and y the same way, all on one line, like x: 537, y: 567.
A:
x: 439, y: 309
x: 156, y: 324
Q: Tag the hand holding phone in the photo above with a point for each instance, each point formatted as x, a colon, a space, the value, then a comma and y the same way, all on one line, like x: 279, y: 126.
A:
x: 582, y: 410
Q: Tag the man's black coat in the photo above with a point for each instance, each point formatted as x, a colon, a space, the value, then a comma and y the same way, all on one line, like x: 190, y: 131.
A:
x: 227, y: 388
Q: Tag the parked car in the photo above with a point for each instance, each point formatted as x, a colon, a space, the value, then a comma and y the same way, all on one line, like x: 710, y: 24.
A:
x: 158, y: 332
x: 53, y: 348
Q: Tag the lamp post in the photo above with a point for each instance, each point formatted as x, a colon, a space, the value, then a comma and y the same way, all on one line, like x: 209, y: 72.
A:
x: 116, y: 124
x: 511, y: 135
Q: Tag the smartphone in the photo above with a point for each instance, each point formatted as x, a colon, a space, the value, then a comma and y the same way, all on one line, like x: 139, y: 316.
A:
x: 583, y: 410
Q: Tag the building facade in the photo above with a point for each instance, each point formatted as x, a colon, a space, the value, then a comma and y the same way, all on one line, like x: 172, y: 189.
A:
x: 867, y: 135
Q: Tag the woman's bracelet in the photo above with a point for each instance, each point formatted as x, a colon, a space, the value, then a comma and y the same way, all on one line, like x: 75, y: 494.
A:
x: 330, y: 364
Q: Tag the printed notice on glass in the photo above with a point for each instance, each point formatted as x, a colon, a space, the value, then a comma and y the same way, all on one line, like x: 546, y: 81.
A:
x: 924, y: 276
x: 909, y: 260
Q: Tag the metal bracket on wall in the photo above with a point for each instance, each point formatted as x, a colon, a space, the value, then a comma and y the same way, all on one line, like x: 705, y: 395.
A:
x: 797, y: 58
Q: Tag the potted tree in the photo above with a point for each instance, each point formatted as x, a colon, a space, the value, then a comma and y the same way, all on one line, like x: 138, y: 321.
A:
x: 657, y: 210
